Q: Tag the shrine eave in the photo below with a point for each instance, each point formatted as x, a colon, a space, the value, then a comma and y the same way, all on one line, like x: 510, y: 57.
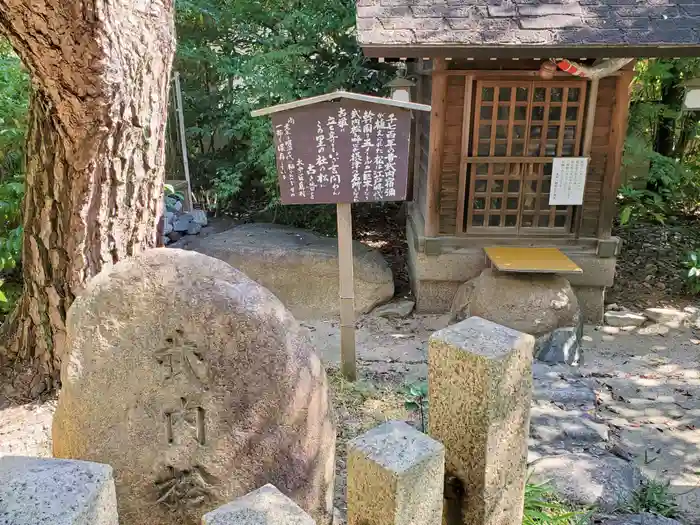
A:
x: 335, y: 96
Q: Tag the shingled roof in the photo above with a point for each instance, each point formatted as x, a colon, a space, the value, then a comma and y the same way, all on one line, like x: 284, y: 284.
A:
x: 601, y: 27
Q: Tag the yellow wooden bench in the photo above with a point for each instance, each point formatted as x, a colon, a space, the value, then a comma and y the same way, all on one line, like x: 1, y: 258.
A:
x: 518, y: 259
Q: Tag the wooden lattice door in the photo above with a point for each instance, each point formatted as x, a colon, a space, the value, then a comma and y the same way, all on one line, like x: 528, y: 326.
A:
x: 518, y: 128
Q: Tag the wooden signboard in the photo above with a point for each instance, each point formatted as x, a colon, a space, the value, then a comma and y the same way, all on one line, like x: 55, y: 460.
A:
x: 342, y: 148
x: 342, y: 151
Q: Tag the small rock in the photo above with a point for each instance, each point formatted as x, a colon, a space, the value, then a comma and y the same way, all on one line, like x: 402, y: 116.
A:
x: 654, y: 329
x: 182, y: 223
x: 612, y: 307
x: 200, y: 217
x: 611, y: 330
x: 620, y: 319
x: 587, y: 338
x: 693, y: 316
x: 642, y: 519
x: 167, y: 228
x: 661, y: 286
x: 666, y: 315
x: 584, y: 479
x: 194, y: 228
x: 563, y: 345
x: 395, y: 309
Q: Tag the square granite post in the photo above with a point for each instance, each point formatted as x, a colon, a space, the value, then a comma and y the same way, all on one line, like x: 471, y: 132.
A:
x: 480, y: 386
x: 38, y: 491
x: 264, y: 506
x: 395, y: 477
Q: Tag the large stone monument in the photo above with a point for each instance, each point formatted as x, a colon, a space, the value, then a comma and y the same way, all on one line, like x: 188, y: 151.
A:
x: 195, y: 384
x: 480, y: 377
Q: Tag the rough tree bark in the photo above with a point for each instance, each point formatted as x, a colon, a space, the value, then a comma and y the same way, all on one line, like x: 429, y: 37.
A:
x: 671, y: 97
x: 95, y: 155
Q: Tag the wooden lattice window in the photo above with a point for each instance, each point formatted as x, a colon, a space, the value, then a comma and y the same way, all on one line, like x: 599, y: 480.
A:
x: 518, y: 128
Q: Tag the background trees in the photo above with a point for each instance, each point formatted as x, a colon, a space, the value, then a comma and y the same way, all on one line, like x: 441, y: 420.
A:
x: 662, y: 153
x: 234, y: 56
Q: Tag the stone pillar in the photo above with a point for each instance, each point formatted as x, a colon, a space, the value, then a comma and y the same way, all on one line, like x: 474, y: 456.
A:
x: 265, y: 506
x: 42, y: 490
x: 395, y: 477
x: 480, y: 377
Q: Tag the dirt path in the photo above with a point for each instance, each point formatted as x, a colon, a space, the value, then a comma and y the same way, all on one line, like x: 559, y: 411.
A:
x: 641, y: 389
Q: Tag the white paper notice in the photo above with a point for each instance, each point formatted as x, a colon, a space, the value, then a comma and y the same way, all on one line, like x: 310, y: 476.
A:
x: 568, y: 181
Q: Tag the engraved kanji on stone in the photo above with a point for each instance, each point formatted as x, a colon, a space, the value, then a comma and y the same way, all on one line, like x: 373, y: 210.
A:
x: 181, y: 359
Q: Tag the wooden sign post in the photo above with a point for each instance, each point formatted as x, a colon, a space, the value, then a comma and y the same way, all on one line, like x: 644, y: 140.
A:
x: 346, y: 289
x: 342, y: 148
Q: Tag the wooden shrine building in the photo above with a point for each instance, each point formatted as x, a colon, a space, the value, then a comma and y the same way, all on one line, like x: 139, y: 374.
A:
x: 514, y: 86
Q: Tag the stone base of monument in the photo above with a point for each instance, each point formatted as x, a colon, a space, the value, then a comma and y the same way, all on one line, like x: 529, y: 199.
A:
x: 544, y: 306
x: 37, y: 491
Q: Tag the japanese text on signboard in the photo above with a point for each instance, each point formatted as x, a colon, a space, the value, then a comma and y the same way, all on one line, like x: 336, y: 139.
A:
x: 344, y: 151
x: 568, y: 181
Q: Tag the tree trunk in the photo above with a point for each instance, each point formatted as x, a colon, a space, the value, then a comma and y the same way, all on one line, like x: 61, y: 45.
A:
x: 95, y: 155
x: 689, y: 127
x: 672, y: 98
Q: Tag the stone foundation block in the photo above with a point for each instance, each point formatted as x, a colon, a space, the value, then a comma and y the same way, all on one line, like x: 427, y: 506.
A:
x: 395, y: 477
x: 591, y: 300
x: 265, y: 506
x: 480, y: 377
x: 41, y: 491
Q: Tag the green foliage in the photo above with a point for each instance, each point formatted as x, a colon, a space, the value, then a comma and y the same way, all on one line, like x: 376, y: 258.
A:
x: 11, y: 193
x: 14, y: 103
x: 693, y: 275
x: 542, y: 507
x: 235, y: 56
x: 641, y: 204
x: 320, y: 217
x: 654, y: 497
x: 662, y: 147
x: 416, y: 399
x: 172, y: 197
x: 9, y: 294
